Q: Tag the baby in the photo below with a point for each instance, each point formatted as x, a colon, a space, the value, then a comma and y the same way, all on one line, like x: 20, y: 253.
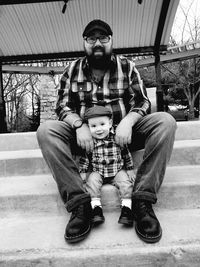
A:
x: 109, y: 163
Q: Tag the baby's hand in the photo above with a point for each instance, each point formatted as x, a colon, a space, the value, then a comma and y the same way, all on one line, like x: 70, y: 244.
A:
x: 131, y: 175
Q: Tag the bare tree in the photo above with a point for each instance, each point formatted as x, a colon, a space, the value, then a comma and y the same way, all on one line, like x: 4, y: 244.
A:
x: 186, y: 27
x: 21, y: 96
x: 187, y: 72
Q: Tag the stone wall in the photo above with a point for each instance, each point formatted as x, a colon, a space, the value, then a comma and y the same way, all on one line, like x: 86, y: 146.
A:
x: 48, y: 96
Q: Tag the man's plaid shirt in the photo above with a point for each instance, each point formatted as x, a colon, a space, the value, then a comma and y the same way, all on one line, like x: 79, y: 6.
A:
x: 121, y: 89
x: 107, y: 158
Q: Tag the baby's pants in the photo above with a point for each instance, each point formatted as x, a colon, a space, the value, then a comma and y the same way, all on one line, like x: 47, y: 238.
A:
x: 122, y: 181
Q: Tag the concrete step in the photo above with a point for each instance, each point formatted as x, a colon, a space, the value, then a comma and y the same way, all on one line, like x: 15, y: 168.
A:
x: 22, y: 162
x: 39, y: 193
x: 189, y: 130
x: 185, y: 152
x: 30, y: 162
x: 38, y: 241
x: 18, y: 141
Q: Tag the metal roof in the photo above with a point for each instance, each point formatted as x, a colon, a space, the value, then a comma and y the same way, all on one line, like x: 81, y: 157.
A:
x: 37, y: 30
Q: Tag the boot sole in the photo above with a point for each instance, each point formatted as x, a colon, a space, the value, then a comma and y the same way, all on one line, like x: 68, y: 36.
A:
x: 146, y: 239
x: 78, y: 238
x: 125, y: 222
x: 98, y: 220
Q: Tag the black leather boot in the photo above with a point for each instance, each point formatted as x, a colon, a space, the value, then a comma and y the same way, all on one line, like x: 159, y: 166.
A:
x: 147, y: 225
x: 79, y: 224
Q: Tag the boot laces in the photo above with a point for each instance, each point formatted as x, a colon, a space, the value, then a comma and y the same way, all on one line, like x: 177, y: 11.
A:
x: 79, y: 212
x: 145, y: 208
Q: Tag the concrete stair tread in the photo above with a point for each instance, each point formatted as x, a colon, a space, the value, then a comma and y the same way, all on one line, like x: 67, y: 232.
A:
x: 27, y: 185
x: 27, y: 140
x: 31, y: 162
x: 188, y: 130
x: 35, y: 237
x: 45, y: 184
x: 20, y: 154
x: 186, y: 143
x: 26, y: 153
x: 36, y: 193
x: 18, y: 141
x: 187, y: 174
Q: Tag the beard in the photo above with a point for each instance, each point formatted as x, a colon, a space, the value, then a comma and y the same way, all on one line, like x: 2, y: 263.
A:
x: 101, y: 61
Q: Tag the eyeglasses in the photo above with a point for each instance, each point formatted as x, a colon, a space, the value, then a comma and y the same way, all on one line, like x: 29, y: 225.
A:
x: 102, y: 38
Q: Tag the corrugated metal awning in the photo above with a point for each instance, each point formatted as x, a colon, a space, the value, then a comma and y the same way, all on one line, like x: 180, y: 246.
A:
x: 37, y: 30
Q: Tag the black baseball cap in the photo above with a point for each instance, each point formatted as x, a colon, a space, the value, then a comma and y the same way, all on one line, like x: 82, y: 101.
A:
x: 97, y: 24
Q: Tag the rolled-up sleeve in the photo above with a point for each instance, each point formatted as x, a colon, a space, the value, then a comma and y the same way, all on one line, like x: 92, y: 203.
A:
x: 66, y: 98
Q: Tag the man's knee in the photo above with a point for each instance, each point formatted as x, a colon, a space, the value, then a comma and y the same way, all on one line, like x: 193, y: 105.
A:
x: 166, y: 123
x: 54, y: 129
x: 44, y: 130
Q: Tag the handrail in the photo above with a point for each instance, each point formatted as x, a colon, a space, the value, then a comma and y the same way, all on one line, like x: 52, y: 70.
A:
x: 184, y: 47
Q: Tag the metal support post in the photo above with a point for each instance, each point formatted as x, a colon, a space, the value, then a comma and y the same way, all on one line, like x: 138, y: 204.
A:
x: 3, y: 125
x: 159, y: 91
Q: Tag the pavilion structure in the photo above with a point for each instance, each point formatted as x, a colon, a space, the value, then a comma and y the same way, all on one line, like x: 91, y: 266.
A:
x: 45, y: 31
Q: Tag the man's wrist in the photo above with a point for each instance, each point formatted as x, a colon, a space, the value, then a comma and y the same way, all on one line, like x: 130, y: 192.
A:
x: 132, y: 117
x: 77, y: 123
x: 83, y: 126
x: 71, y: 118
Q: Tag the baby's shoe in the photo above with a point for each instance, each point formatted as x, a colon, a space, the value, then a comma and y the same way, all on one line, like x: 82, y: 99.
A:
x: 97, y: 215
x: 126, y: 216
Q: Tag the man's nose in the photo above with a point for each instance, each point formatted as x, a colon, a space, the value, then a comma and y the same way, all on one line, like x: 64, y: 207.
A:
x: 98, y: 43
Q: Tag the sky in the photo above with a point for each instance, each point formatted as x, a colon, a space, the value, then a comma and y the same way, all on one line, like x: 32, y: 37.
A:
x: 192, y: 9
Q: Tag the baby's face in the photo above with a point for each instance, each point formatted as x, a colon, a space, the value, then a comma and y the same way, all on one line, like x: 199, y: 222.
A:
x: 100, y: 126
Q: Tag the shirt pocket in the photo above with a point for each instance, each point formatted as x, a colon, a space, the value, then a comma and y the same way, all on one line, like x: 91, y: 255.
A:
x: 83, y: 89
x: 78, y: 87
x: 118, y: 88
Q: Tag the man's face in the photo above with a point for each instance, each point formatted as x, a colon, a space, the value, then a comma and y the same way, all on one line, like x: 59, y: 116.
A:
x: 98, y: 52
x: 100, y: 126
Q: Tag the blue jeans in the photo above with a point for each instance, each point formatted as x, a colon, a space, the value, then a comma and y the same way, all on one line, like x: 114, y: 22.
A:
x: 154, y: 132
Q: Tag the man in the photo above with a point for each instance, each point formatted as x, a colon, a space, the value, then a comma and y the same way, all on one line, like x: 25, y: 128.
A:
x: 103, y: 78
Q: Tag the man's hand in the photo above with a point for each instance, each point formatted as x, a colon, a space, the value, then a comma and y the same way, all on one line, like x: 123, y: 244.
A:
x: 84, y: 138
x: 131, y: 175
x: 124, y: 129
x: 123, y: 133
x: 83, y: 176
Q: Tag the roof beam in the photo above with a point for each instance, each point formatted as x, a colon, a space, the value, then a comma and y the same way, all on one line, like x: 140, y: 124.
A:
x: 150, y: 61
x: 68, y: 55
x: 16, y: 2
